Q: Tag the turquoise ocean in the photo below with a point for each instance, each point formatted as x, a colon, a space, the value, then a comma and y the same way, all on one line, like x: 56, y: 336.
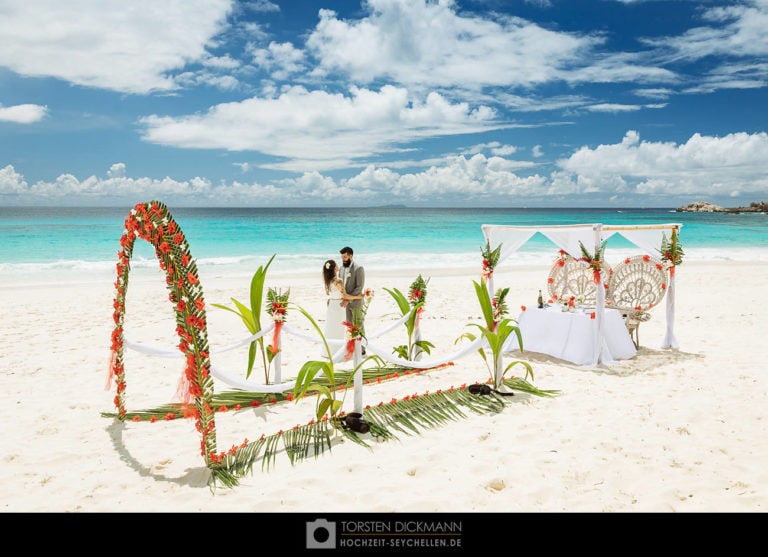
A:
x: 45, y: 241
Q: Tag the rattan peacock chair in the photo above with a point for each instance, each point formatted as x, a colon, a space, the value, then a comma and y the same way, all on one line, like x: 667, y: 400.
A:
x: 574, y: 277
x: 637, y: 285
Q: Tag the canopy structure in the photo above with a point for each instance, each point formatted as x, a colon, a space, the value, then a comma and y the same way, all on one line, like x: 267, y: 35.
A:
x: 568, y: 238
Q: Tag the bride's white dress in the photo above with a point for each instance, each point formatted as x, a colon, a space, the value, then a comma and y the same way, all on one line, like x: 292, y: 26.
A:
x: 335, y: 315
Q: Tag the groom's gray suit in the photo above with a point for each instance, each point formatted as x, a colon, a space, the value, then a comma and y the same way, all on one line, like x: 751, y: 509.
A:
x: 354, y: 283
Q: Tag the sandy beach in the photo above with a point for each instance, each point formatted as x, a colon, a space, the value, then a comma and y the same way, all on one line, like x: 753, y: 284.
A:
x: 666, y: 431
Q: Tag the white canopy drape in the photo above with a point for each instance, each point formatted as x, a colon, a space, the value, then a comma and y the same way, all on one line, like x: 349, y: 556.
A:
x: 567, y: 237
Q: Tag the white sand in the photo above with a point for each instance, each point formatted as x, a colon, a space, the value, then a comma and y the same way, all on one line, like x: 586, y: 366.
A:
x: 667, y: 431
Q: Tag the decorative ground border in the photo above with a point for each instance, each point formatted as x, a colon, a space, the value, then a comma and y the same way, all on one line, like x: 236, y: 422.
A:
x: 151, y: 221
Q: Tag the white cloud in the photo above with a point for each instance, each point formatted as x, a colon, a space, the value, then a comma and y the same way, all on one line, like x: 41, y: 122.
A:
x: 659, y: 173
x: 225, y: 62
x: 702, y: 165
x: 261, y: 6
x: 282, y: 60
x: 108, y: 44
x: 23, y: 113
x: 429, y: 43
x: 312, y: 128
x: 735, y: 38
x: 613, y: 107
x: 117, y: 170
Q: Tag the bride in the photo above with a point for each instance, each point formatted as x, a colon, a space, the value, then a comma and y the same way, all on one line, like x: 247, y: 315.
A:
x: 335, y: 314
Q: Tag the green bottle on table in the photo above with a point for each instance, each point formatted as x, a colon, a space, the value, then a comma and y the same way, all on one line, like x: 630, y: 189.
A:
x: 541, y: 300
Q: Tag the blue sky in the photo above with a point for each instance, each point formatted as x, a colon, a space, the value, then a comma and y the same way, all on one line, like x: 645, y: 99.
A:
x: 523, y: 103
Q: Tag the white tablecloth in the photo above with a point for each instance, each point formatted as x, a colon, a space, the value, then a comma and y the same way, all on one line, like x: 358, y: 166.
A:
x: 572, y: 336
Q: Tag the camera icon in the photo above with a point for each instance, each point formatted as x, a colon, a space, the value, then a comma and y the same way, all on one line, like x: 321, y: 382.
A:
x: 321, y: 534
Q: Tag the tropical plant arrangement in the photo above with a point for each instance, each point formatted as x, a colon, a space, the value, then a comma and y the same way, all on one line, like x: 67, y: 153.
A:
x: 277, y: 308
x: 497, y: 329
x: 490, y: 260
x: 596, y: 260
x: 671, y: 251
x: 356, y: 327
x: 251, y: 317
x: 328, y: 404
x: 413, y: 304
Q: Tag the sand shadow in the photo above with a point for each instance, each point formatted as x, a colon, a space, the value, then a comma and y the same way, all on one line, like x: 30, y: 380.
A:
x: 194, y: 477
x: 645, y: 360
x: 198, y: 477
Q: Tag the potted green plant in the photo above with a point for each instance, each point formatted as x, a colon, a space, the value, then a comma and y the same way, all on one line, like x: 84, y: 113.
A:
x: 251, y: 317
x: 413, y: 305
x: 328, y: 404
x: 495, y: 332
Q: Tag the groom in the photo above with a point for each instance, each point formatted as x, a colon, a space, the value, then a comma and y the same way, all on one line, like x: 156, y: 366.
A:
x: 353, y: 276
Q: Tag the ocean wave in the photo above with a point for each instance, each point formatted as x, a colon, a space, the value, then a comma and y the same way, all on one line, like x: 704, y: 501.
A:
x: 378, y: 261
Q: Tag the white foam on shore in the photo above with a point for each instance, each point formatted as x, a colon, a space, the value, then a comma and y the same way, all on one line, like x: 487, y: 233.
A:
x: 82, y: 271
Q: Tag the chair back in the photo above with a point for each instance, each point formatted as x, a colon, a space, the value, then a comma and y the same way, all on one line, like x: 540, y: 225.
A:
x: 574, y: 277
x: 637, y: 285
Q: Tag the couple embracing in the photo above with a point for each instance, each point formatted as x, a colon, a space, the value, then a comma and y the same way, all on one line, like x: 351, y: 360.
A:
x: 344, y: 286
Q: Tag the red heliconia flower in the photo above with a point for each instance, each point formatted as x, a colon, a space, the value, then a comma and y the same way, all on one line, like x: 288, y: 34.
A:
x: 646, y: 258
x: 199, y: 304
x: 192, y: 279
x: 185, y: 259
x: 626, y: 260
x: 178, y: 238
x: 522, y: 308
x: 170, y: 416
x: 181, y: 305
x: 561, y: 262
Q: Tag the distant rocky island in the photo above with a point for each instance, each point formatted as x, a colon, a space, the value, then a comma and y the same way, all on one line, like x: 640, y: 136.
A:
x: 705, y: 207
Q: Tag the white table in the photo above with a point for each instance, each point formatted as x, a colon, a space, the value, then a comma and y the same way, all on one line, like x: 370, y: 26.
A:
x: 571, y: 336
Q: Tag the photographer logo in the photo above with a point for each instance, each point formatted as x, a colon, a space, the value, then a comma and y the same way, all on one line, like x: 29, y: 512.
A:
x: 321, y: 534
